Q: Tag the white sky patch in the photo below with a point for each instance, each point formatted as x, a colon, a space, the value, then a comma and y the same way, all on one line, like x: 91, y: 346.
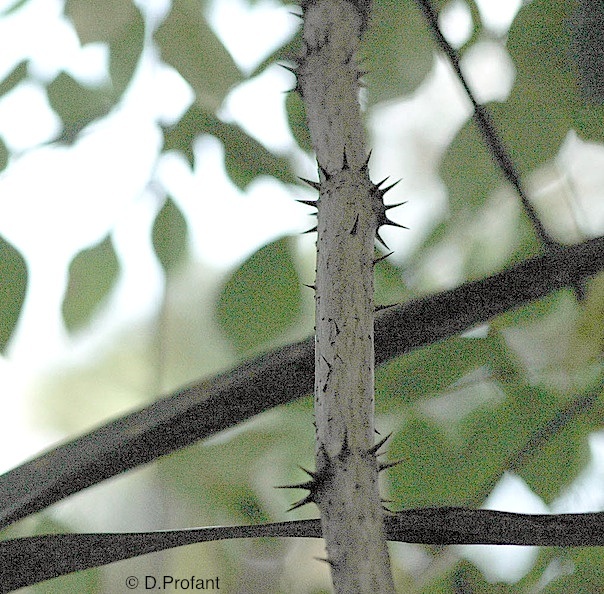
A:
x: 506, y: 563
x: 497, y: 15
x: 455, y: 21
x: 227, y: 224
x: 26, y: 118
x: 251, y: 32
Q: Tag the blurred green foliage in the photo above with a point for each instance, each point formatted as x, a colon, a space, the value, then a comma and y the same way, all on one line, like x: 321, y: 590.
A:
x: 463, y: 412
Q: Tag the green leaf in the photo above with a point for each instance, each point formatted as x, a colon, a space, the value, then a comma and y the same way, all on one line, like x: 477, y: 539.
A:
x: 262, y: 298
x: 18, y: 74
x: 13, y: 285
x: 545, y: 102
x: 468, y: 171
x: 398, y: 50
x: 125, y: 50
x: 429, y: 474
x: 118, y: 23
x: 245, y: 157
x: 428, y: 372
x: 76, y: 104
x: 92, y: 274
x: 296, y: 116
x: 560, y: 460
x: 188, y: 44
x: 169, y: 235
x: 104, y: 21
x: 577, y: 570
x: 4, y: 155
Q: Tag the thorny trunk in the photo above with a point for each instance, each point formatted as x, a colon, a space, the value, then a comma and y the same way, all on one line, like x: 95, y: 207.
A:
x: 350, y: 210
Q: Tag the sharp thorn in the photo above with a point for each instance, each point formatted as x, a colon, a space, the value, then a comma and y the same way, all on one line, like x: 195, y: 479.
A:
x: 303, y: 501
x: 309, y: 230
x: 288, y: 68
x: 381, y: 307
x: 345, y: 161
x: 366, y: 164
x: 389, y: 206
x: 324, y: 172
x: 379, y: 260
x: 310, y: 473
x: 379, y: 238
x: 384, y: 190
x: 311, y: 183
x: 310, y: 287
x: 378, y: 185
x: 386, y: 465
x: 328, y: 561
x: 308, y: 485
x: 393, y: 224
x: 373, y: 449
x: 312, y: 203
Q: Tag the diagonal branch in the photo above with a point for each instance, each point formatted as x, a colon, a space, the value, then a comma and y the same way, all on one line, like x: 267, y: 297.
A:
x: 280, y: 376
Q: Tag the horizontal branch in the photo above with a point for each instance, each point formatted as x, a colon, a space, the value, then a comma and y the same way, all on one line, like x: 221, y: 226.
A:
x: 212, y: 405
x: 26, y: 561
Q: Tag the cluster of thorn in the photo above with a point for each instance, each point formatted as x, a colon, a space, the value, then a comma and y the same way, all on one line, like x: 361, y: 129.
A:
x: 377, y: 193
x: 315, y: 484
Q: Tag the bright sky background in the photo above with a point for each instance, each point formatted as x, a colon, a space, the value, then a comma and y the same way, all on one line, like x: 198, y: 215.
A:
x: 56, y: 200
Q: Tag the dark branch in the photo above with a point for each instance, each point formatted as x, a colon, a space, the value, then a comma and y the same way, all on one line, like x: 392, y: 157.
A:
x: 209, y: 406
x: 26, y: 561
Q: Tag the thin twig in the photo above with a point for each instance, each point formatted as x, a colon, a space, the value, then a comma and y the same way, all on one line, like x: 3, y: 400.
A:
x: 487, y: 128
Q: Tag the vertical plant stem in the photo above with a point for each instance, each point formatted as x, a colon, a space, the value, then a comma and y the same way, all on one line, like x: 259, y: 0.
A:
x: 349, y: 210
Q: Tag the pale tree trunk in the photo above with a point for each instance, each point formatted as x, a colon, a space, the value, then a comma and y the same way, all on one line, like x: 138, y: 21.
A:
x: 350, y: 209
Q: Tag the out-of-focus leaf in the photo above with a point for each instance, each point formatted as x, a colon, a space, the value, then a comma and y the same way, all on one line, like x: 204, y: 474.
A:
x: 188, y: 44
x: 245, y: 157
x: 288, y: 53
x: 4, y: 155
x: 18, y: 73
x: 459, y: 463
x: 578, y: 570
x: 118, y: 23
x: 559, y: 461
x: 531, y: 313
x: 390, y: 286
x: 76, y: 104
x: 92, y: 274
x: 124, y: 52
x: 169, y: 235
x: 261, y: 298
x: 469, y: 171
x: 13, y: 285
x: 427, y: 372
x: 398, y: 50
x: 467, y: 578
x: 296, y: 116
x: 100, y: 21
x: 429, y: 474
x: 545, y: 102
